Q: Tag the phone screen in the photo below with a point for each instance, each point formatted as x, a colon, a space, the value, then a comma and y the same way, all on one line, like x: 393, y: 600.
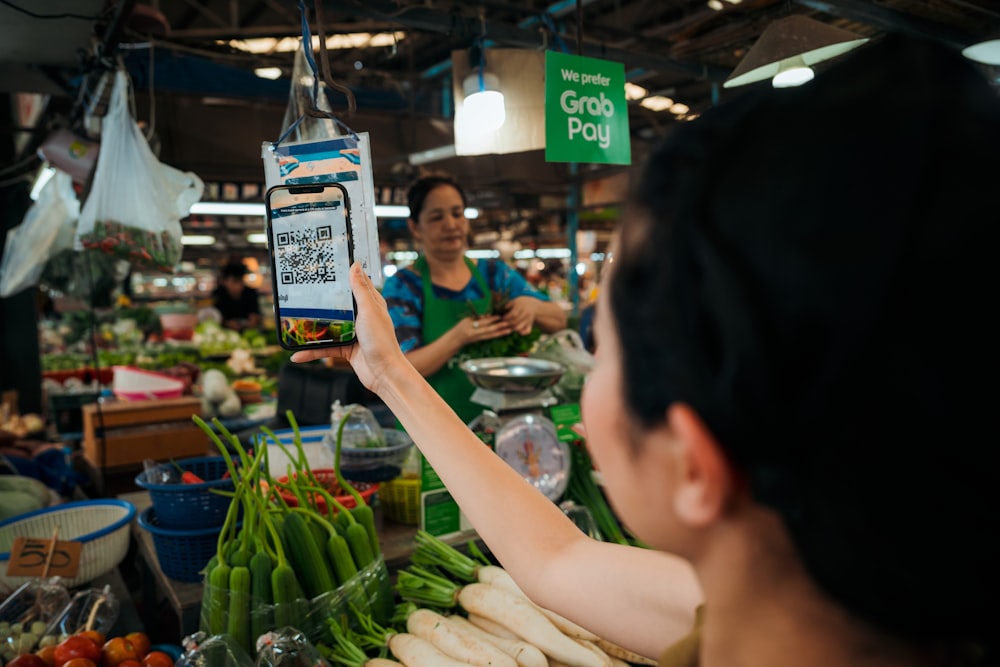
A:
x: 309, y: 234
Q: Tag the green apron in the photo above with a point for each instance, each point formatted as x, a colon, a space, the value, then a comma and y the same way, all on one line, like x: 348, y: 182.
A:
x: 440, y: 315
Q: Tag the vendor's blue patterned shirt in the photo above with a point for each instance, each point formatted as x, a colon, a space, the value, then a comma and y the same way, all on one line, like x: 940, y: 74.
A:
x: 404, y: 294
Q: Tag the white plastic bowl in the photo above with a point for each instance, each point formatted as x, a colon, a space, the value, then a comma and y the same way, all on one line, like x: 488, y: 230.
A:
x: 134, y: 384
x: 101, y: 525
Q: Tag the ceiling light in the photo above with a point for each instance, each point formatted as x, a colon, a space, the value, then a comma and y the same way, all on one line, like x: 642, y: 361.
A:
x: 432, y: 155
x: 634, y: 92
x: 197, y: 239
x: 482, y: 254
x: 253, y: 208
x: 259, y: 238
x: 552, y: 253
x: 350, y: 40
x: 679, y: 109
x: 227, y: 208
x: 484, y: 100
x: 657, y: 103
x: 789, y: 38
x: 792, y: 72
x: 268, y: 72
x: 986, y: 52
x: 716, y: 5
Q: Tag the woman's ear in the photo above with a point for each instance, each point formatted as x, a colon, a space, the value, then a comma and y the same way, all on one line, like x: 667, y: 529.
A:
x: 704, y: 475
x: 413, y: 228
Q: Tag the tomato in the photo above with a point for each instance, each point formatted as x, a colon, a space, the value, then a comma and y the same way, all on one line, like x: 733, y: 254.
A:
x: 76, y: 646
x: 129, y: 663
x: 26, y: 660
x: 80, y: 662
x: 48, y: 655
x: 140, y: 640
x: 157, y: 659
x: 118, y: 650
x: 96, y: 635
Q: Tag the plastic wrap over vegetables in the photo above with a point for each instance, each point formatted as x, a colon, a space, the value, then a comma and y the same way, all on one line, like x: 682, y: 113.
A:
x: 200, y: 650
x: 287, y: 647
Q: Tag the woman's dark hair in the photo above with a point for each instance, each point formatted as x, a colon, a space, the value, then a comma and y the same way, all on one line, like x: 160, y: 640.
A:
x: 418, y: 193
x: 234, y: 270
x: 813, y: 270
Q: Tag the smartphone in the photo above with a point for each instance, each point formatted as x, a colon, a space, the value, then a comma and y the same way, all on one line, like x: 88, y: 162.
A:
x: 309, y: 238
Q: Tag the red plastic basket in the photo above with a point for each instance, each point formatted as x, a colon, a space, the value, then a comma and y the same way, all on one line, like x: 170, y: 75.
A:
x: 328, y: 480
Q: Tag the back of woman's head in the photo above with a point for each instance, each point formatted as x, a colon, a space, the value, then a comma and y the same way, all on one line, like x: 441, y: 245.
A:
x: 813, y: 271
x: 418, y: 192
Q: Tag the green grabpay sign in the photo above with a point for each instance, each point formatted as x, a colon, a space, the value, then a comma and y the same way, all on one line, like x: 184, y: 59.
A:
x: 586, y: 114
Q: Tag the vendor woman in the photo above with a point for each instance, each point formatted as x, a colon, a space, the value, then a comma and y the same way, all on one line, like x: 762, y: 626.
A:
x: 430, y: 301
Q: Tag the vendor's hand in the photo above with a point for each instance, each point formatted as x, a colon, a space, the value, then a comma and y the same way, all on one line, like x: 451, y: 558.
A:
x: 376, y: 349
x: 520, y: 314
x: 487, y: 327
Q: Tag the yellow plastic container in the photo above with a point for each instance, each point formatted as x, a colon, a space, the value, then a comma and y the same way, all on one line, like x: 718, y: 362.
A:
x: 400, y: 500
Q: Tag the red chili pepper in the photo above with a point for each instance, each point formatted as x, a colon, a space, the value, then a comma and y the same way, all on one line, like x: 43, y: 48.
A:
x: 188, y: 477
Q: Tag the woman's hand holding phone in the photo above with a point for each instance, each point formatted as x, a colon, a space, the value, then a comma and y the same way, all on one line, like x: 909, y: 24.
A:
x: 375, y: 352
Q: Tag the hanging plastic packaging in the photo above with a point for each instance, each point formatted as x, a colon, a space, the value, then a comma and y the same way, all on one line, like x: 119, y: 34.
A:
x: 47, y: 229
x: 135, y: 204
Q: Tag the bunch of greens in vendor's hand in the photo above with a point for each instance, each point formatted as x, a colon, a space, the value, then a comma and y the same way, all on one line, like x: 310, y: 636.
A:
x: 511, y: 345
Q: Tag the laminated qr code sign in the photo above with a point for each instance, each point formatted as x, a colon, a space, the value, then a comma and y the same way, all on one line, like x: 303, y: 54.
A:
x: 311, y: 261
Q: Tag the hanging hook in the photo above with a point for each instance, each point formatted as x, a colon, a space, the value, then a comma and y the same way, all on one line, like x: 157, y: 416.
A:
x: 325, y: 60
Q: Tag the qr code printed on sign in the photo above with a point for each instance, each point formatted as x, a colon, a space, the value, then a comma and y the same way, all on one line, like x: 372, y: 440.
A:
x: 306, y: 256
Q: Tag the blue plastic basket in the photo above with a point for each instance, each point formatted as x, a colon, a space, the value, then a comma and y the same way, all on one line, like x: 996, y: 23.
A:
x: 189, y: 506
x: 182, y: 553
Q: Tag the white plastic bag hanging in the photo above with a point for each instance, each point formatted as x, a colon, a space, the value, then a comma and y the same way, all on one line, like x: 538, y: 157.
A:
x: 47, y: 228
x: 135, y: 203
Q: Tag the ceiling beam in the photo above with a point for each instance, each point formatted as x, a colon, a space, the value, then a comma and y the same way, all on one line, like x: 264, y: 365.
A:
x: 470, y: 28
x: 207, y: 13
x: 890, y: 21
x: 293, y: 29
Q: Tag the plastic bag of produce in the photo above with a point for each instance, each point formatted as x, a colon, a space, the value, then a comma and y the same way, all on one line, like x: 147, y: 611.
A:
x: 135, y: 204
x: 566, y: 348
x: 47, y: 229
x: 26, y: 614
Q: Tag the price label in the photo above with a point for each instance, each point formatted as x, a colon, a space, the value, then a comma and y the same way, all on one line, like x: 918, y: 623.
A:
x: 29, y: 556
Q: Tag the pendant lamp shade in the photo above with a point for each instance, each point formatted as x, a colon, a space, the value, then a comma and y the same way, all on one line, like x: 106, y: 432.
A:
x: 793, y: 37
x: 986, y: 52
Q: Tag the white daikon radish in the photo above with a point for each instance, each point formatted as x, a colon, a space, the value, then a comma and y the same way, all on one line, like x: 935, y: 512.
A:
x: 491, y: 627
x: 622, y: 653
x: 593, y: 648
x: 518, y: 614
x: 413, y: 651
x: 455, y: 640
x: 526, y: 655
x: 492, y: 574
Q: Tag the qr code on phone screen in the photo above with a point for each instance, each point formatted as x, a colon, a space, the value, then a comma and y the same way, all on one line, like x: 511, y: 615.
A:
x: 306, y: 256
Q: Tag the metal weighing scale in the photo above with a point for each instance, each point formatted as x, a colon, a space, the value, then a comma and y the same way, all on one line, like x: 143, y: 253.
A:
x: 516, y: 392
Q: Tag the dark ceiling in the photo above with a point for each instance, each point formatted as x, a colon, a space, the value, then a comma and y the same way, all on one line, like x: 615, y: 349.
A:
x: 212, y: 112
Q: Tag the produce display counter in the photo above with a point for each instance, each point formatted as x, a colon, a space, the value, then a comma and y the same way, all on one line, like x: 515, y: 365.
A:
x: 184, y: 599
x: 119, y: 436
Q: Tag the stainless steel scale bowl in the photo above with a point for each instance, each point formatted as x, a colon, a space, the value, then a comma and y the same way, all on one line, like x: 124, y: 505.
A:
x: 515, y: 375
